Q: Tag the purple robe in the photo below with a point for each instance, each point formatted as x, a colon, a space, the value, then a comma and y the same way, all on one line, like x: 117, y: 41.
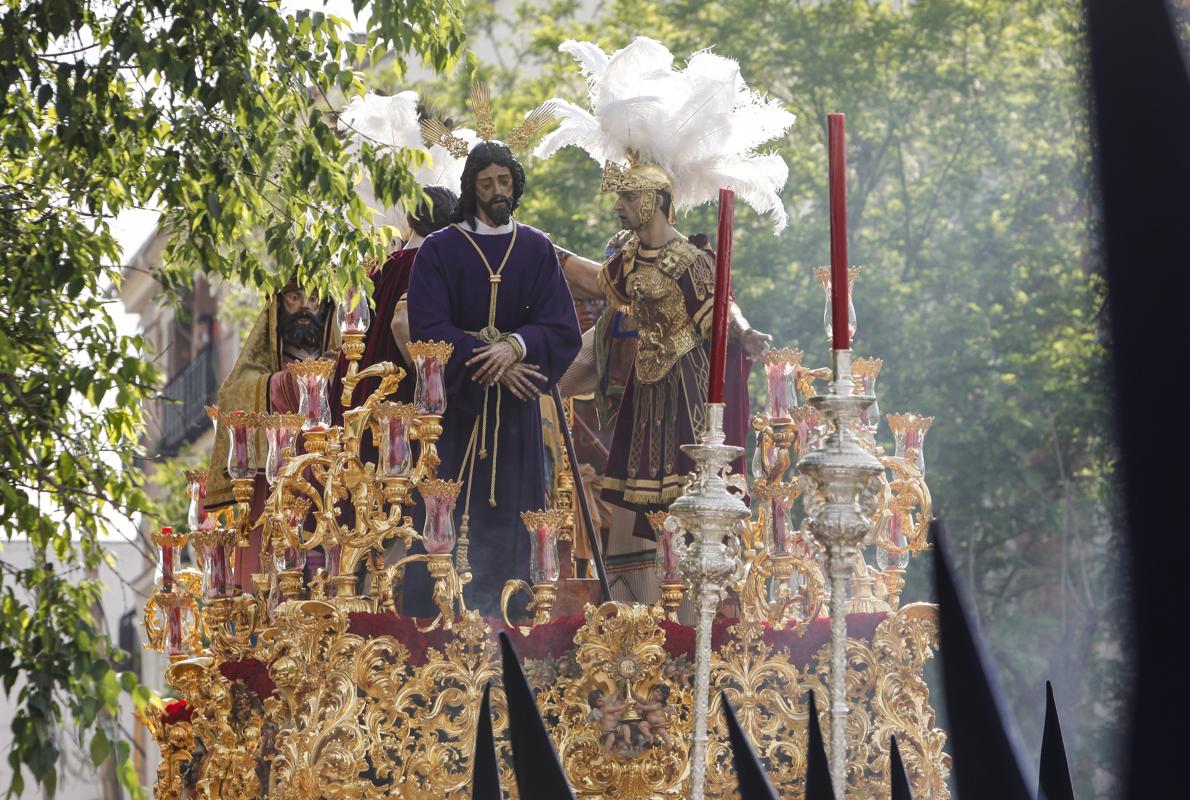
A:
x: 448, y: 301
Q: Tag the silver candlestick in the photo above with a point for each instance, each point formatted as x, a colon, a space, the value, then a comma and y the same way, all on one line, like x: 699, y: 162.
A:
x: 843, y: 475
x: 710, y: 513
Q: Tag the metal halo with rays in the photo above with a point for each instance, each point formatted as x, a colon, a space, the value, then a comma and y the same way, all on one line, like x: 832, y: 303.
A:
x: 436, y: 131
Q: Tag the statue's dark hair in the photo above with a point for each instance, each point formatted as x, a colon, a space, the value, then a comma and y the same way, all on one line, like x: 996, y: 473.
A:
x: 482, y: 156
x: 433, y: 214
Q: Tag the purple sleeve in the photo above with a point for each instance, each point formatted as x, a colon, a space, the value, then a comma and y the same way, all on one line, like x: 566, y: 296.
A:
x: 429, y: 307
x: 552, y: 337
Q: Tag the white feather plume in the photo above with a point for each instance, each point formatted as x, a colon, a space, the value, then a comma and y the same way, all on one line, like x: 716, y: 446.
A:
x: 701, y: 124
x: 393, y: 122
x: 385, y: 121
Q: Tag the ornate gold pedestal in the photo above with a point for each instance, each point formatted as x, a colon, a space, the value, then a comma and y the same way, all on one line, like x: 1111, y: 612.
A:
x: 359, y: 717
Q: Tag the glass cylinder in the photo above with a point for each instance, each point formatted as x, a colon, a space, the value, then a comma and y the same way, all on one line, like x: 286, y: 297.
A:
x: 440, y: 497
x: 396, y: 456
x: 197, y: 516
x: 217, y: 560
x: 780, y: 368
x: 779, y: 530
x: 892, y: 546
x: 287, y: 557
x: 864, y: 372
x: 354, y: 314
x: 280, y: 431
x: 429, y: 358
x: 807, y: 430
x: 241, y: 452
x: 169, y: 543
x: 824, y: 277
x: 179, y: 620
x: 543, y: 543
x: 669, y: 550
x: 312, y: 376
x: 909, y: 433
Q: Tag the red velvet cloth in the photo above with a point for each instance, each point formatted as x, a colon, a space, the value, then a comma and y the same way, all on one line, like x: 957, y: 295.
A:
x: 251, y: 672
x: 556, y: 637
x: 176, y: 711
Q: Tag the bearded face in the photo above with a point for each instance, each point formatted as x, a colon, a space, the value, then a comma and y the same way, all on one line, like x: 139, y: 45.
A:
x: 493, y: 193
x: 301, y: 321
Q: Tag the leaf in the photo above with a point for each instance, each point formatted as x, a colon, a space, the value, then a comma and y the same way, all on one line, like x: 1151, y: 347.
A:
x: 101, y: 747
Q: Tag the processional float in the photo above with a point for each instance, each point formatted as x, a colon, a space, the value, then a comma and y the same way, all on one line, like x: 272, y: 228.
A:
x: 314, y: 686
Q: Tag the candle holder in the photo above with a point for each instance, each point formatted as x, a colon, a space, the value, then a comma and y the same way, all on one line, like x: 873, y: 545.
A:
x: 909, y: 433
x: 197, y: 516
x: 172, y: 622
x: 216, y: 558
x: 864, y: 372
x: 241, y: 453
x: 710, y: 513
x: 312, y: 376
x: 354, y: 318
x: 393, y: 424
x: 170, y: 542
x: 430, y: 360
x: 823, y: 274
x: 670, y: 546
x: 780, y: 369
x: 845, y: 477
x: 280, y: 432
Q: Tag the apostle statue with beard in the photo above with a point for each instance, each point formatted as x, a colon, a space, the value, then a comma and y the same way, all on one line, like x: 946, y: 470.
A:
x: 493, y: 289
x: 293, y: 326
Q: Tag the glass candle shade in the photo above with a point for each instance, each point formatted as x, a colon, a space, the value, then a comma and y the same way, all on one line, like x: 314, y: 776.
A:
x: 280, y: 431
x: 780, y: 368
x: 440, y: 497
x: 909, y: 433
x: 808, y: 430
x: 312, y: 376
x: 197, y: 516
x: 393, y: 421
x: 543, y: 543
x: 170, y: 544
x: 764, y: 457
x: 429, y: 358
x: 217, y: 560
x: 180, y: 619
x: 892, y: 546
x: 354, y: 314
x: 864, y: 372
x: 286, y: 556
x: 668, y: 550
x: 779, y: 531
x: 824, y: 277
x: 241, y: 452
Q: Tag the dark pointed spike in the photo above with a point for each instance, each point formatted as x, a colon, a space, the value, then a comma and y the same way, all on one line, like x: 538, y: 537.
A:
x: 538, y: 771
x: 485, y: 771
x: 1053, y: 782
x: 986, y: 760
x: 896, y: 773
x: 818, y: 768
x: 753, y: 781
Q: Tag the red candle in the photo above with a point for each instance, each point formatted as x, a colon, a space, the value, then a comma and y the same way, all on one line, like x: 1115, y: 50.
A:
x: 840, y: 332
x: 722, y: 297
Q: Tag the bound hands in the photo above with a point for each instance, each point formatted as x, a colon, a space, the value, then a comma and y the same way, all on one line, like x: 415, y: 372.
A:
x: 755, y: 342
x: 499, y: 363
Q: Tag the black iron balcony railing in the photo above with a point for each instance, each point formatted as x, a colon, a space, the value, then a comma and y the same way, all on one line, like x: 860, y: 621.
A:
x: 183, y: 416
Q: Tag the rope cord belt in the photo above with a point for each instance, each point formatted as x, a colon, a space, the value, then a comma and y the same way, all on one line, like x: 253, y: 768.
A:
x: 479, y: 431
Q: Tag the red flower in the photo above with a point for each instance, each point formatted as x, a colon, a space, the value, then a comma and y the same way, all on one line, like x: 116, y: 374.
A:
x: 176, y: 711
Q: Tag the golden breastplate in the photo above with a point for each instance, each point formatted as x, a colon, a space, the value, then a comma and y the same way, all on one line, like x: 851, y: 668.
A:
x: 665, y: 329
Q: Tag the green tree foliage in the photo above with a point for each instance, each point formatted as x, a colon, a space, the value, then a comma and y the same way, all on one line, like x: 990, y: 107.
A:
x: 971, y: 212
x: 219, y: 114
